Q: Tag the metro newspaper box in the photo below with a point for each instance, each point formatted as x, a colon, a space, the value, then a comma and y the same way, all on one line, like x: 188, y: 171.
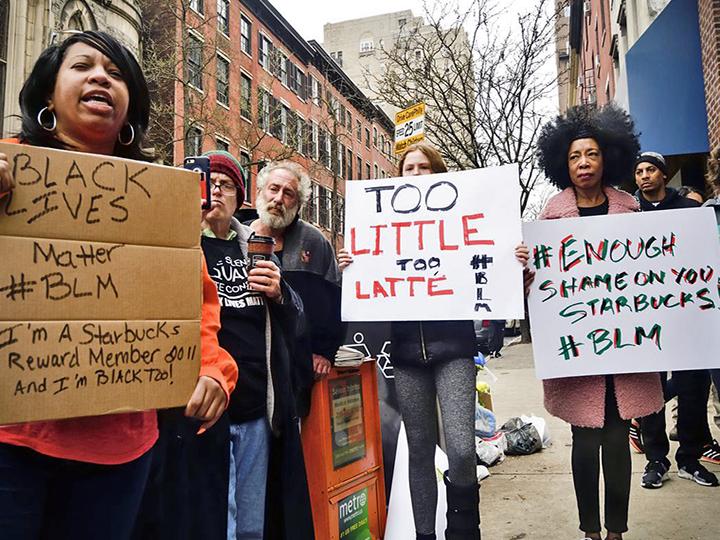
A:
x: 100, y: 285
x: 343, y: 456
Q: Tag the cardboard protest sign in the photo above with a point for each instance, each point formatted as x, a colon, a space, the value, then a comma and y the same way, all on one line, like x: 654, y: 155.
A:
x: 65, y: 280
x: 82, y: 368
x: 73, y: 196
x: 100, y: 285
x: 624, y: 293
x: 433, y: 247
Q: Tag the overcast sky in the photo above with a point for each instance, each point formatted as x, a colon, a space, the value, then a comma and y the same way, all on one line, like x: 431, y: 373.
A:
x: 308, y: 17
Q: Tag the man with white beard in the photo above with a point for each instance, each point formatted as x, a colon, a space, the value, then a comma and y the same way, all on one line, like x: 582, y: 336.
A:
x: 309, y: 266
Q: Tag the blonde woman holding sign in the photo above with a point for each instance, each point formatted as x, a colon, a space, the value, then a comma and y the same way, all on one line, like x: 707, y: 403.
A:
x: 434, y: 360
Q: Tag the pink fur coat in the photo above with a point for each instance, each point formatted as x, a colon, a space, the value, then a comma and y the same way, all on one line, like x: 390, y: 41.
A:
x: 580, y: 401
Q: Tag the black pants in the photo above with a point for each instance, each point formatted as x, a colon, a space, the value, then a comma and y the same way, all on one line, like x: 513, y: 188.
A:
x: 43, y: 497
x: 616, y: 466
x: 653, y: 427
x: 692, y: 389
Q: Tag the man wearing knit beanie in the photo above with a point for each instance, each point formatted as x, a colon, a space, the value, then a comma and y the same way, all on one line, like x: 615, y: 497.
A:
x: 651, y: 177
x: 225, y: 163
x: 259, y: 314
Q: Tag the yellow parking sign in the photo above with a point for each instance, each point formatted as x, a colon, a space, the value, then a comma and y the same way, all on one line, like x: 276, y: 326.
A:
x: 409, y: 127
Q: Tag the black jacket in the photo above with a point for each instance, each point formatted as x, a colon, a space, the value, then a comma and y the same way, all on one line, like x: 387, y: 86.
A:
x: 309, y: 267
x: 420, y: 343
x: 672, y: 201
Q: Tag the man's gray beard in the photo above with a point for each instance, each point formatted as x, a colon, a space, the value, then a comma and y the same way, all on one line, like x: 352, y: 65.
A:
x: 273, y: 221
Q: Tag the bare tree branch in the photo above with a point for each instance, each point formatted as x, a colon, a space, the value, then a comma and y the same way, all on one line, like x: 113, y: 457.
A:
x: 486, y: 85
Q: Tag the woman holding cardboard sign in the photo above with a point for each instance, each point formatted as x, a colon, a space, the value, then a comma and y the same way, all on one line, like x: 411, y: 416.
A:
x: 84, y: 478
x: 435, y: 359
x: 584, y: 153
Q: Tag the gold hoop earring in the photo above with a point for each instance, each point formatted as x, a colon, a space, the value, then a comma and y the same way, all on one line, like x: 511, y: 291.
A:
x: 40, y: 121
x: 132, y: 136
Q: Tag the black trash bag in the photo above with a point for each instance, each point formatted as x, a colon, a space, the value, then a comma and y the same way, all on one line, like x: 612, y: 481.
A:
x: 522, y: 437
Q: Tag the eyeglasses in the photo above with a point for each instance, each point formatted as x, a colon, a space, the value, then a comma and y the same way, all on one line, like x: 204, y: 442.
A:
x: 224, y: 187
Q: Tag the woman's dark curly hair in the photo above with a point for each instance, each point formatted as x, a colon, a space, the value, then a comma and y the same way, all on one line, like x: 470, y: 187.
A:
x: 40, y: 84
x: 610, y: 126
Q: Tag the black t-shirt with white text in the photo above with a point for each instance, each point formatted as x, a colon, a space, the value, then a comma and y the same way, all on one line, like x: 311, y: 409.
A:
x: 242, y: 326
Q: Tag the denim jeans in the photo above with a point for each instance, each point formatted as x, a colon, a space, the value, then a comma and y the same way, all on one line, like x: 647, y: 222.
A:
x: 43, y: 497
x: 249, y: 453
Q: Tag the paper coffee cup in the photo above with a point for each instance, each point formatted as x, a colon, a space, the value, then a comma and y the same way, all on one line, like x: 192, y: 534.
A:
x: 260, y: 248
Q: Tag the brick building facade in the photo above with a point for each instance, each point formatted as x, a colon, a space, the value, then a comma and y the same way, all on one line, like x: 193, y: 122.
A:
x: 251, y: 85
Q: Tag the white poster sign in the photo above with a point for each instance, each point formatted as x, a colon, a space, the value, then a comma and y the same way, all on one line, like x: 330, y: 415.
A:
x: 434, y: 247
x: 625, y: 293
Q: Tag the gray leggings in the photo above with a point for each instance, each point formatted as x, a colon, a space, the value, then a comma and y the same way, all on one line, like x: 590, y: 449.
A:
x: 453, y: 382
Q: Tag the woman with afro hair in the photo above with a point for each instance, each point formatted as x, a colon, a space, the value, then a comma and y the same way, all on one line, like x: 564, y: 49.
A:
x: 585, y: 153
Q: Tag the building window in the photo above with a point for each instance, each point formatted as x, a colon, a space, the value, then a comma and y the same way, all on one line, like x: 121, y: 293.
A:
x: 245, y: 35
x: 326, y: 148
x: 343, y: 113
x: 264, y: 109
x: 197, y: 5
x: 195, y: 62
x: 324, y: 207
x: 366, y: 45
x: 359, y: 167
x: 4, y: 6
x: 375, y: 170
x: 367, y: 137
x: 382, y: 143
x: 315, y: 90
x: 283, y: 69
x: 358, y: 130
x: 223, y: 16
x: 328, y: 151
x: 299, y: 134
x: 341, y: 161
x: 222, y: 144
x: 338, y: 215
x: 296, y: 80
x: 264, y: 47
x: 349, y: 164
x: 367, y: 170
x: 223, y: 81
x: 338, y: 57
x: 245, y: 162
x: 310, y: 208
x: 349, y: 124
x: 316, y: 141
x: 375, y: 137
x: 245, y: 96
x: 193, y: 142
x: 284, y: 122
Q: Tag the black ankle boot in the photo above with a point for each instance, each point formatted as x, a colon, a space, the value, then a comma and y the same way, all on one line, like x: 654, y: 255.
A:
x: 463, y: 512
x: 430, y: 536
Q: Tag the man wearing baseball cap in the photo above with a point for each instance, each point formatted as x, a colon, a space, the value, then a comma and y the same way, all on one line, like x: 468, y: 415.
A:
x: 691, y: 387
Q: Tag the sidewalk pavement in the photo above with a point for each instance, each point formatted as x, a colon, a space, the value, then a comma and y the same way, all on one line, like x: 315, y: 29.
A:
x: 532, y: 497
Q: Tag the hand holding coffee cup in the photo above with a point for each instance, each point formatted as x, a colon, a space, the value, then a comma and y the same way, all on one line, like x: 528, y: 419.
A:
x: 264, y: 275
